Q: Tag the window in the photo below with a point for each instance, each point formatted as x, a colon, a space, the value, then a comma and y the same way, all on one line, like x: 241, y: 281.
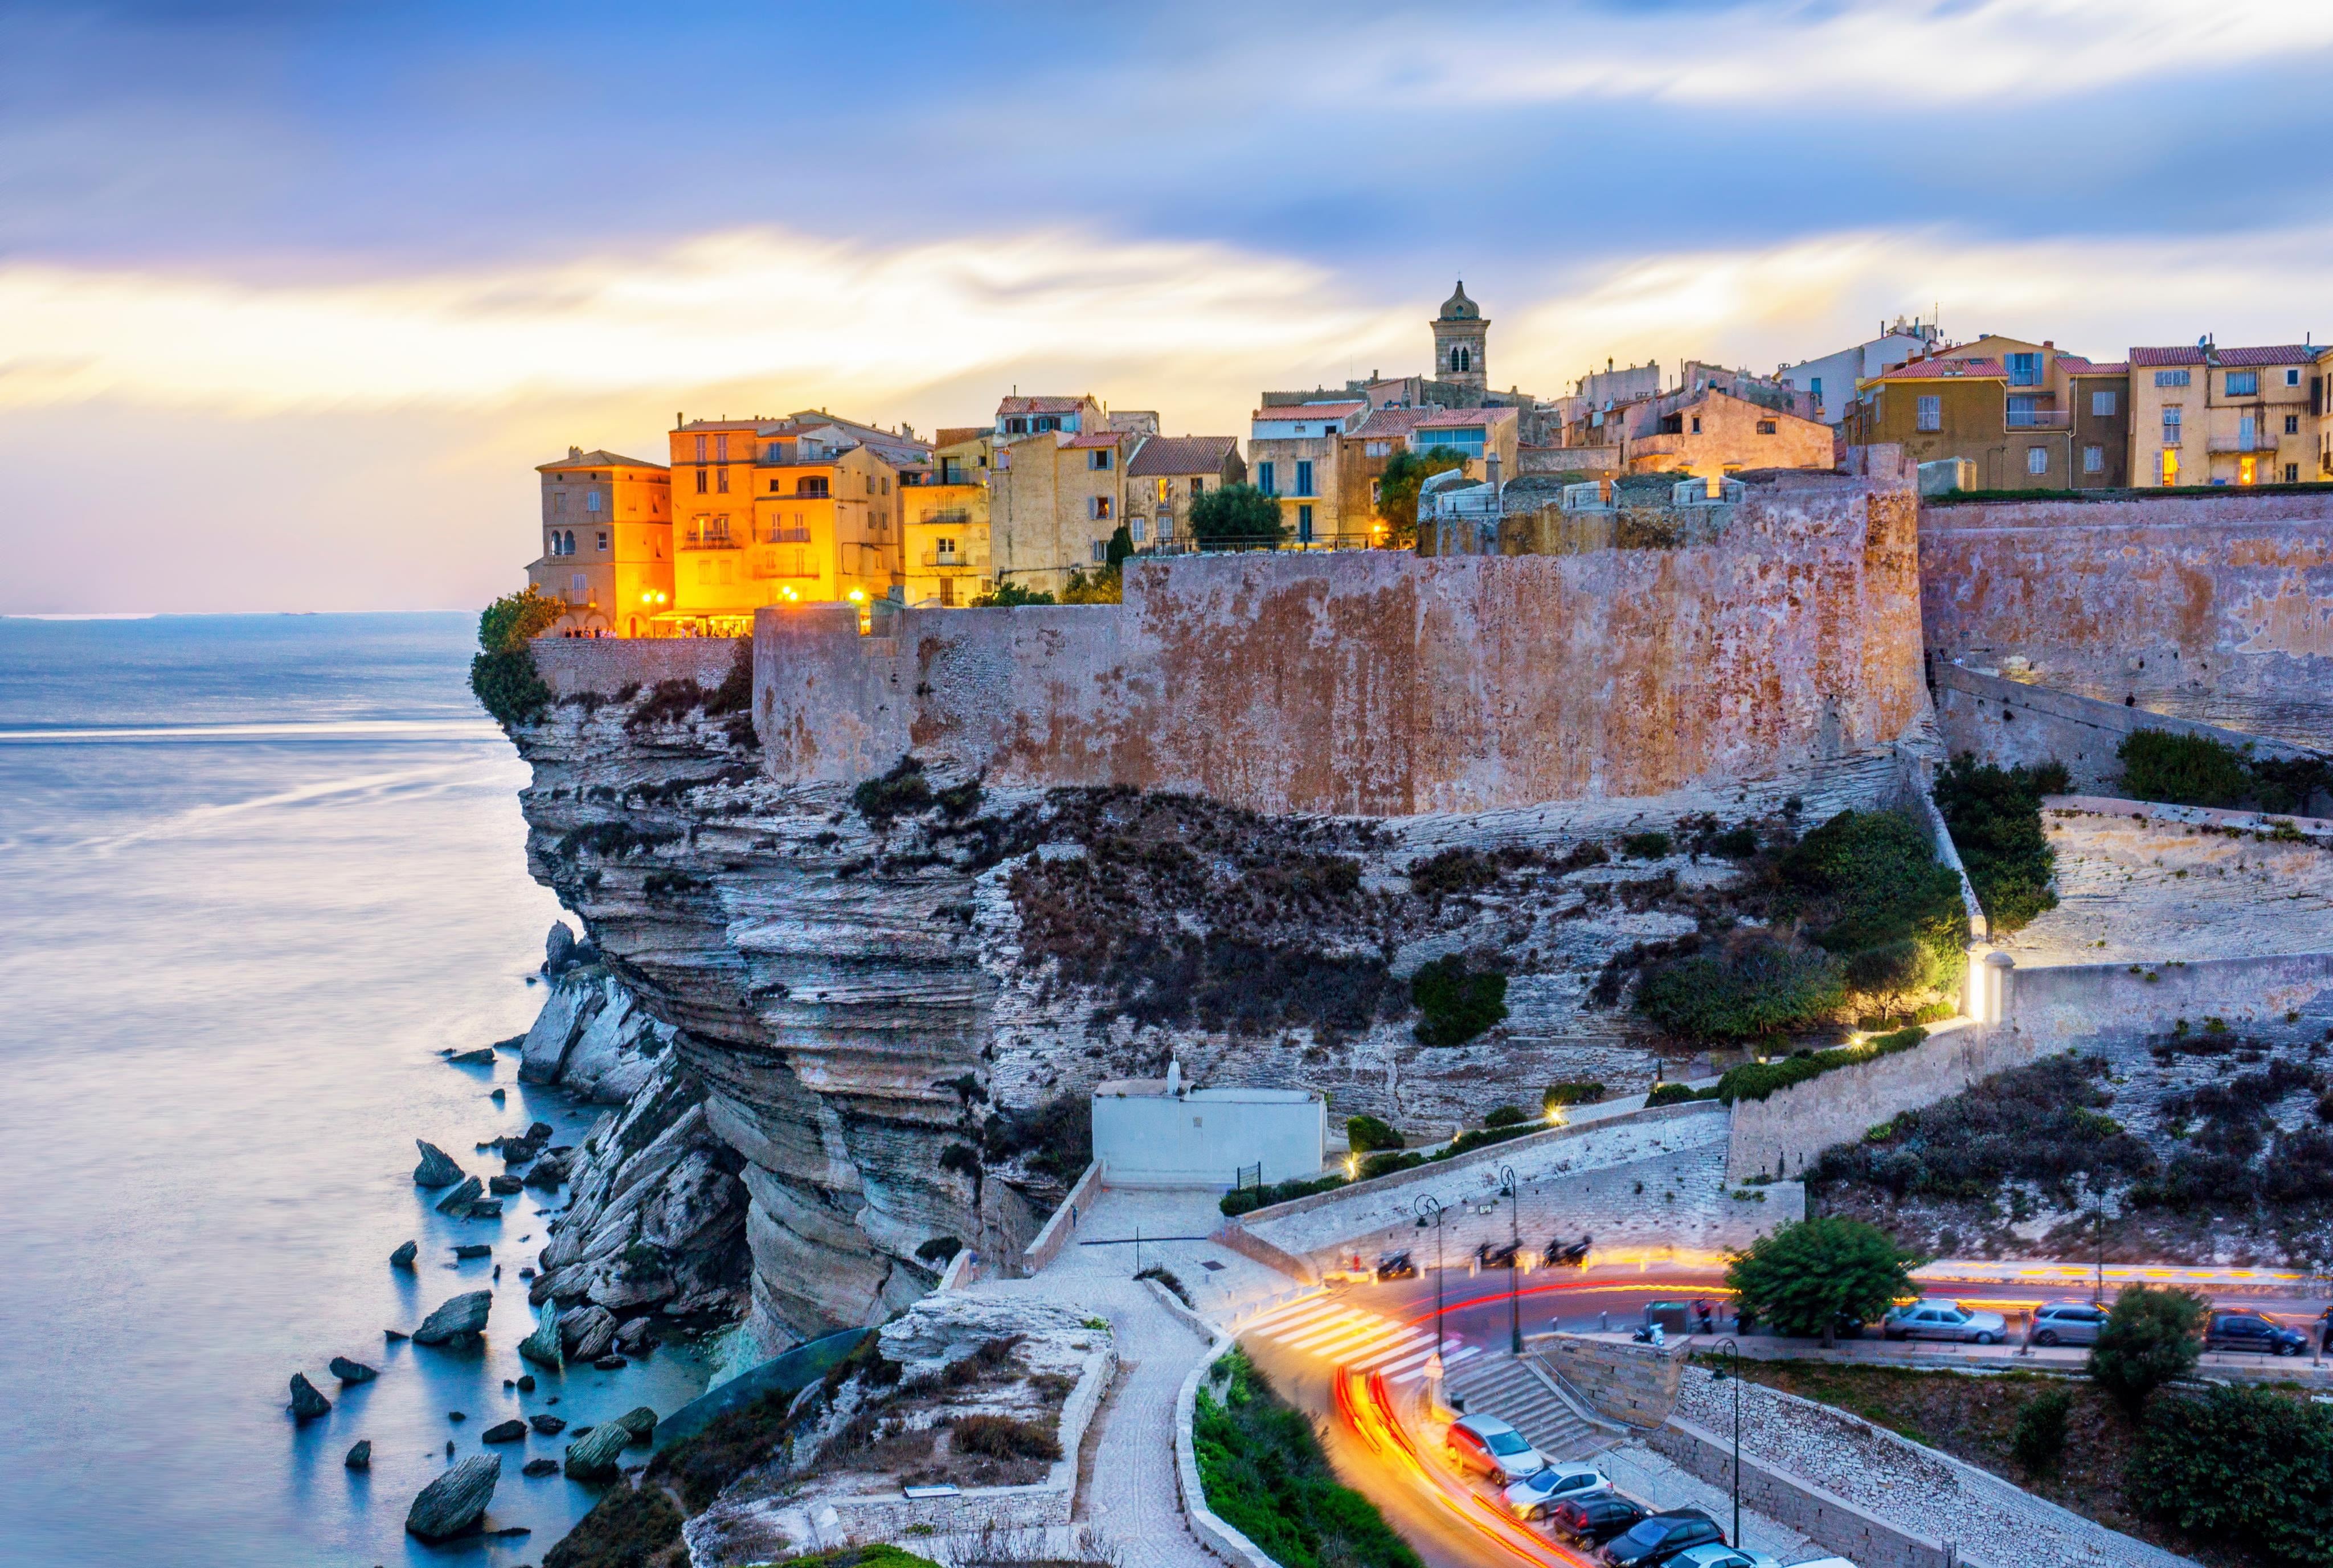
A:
x: 721, y: 448
x: 1377, y: 448
x: 2243, y: 383
x: 727, y: 569
x: 2292, y: 473
x: 2037, y: 459
x: 1304, y: 524
x: 1100, y: 508
x: 1198, y: 488
x: 1016, y: 427
x: 1049, y: 423
x: 2247, y: 433
x: 1467, y: 440
x: 810, y: 488
x: 2024, y: 370
x: 592, y: 499
x: 570, y: 542
x: 2102, y: 405
x: 1377, y: 490
x: 2170, y: 377
x: 579, y: 587
x: 1303, y: 476
x: 2094, y: 459
x: 2172, y: 417
x: 1101, y: 552
x: 1765, y: 426
x: 1930, y: 412
x: 1263, y: 479
x: 700, y: 481
x: 2292, y: 377
x: 705, y: 571
x: 2293, y: 424
x: 603, y: 541
x: 700, y: 449
x: 1815, y: 386
x: 1166, y: 490
x: 721, y: 480
x: 1099, y: 458
x: 2171, y: 465
x: 1696, y: 424
x: 2247, y: 470
x: 558, y: 502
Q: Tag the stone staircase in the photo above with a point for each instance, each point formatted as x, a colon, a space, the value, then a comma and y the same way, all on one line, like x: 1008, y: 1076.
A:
x: 1518, y: 1393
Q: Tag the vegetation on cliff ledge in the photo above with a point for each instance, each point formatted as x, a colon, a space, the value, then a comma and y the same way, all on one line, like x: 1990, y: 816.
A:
x: 503, y: 676
x: 2189, y: 770
x: 1265, y: 1475
x: 1995, y: 817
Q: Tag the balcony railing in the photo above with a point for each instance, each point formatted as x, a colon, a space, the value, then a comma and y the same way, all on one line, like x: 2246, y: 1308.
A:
x: 710, y: 539
x: 945, y: 514
x: 2040, y: 419
x: 2258, y: 441
x: 766, y: 570
x: 786, y: 535
x: 949, y: 560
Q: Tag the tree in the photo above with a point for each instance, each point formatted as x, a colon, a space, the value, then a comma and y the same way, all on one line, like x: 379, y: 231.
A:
x: 1008, y: 595
x: 1368, y: 1134
x: 1810, y: 1275
x: 2149, y: 1338
x: 503, y: 676
x: 1106, y: 585
x: 1397, y: 487
x: 1235, y: 512
x: 2248, y: 1469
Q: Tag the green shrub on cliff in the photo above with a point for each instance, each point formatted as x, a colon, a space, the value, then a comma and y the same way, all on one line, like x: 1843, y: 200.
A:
x: 1759, y: 986
x: 1884, y: 901
x: 1995, y: 817
x: 2188, y: 770
x: 503, y: 675
x: 1456, y: 1005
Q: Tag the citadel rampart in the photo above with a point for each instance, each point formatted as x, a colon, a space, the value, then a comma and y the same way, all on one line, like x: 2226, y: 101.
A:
x: 2216, y: 608
x: 1380, y: 683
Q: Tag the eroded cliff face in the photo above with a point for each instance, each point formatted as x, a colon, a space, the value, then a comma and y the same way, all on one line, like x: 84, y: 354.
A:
x: 893, y: 1001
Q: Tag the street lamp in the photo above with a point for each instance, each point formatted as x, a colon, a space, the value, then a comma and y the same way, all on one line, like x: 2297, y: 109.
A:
x: 1733, y: 1350
x: 1430, y: 1212
x: 1512, y: 1192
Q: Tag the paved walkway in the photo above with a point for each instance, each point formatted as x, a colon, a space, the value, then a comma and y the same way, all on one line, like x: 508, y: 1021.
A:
x: 1651, y: 1480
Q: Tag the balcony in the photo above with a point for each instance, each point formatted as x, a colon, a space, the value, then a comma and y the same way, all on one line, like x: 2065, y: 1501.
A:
x: 785, y: 535
x: 764, y: 571
x: 694, y: 538
x: 949, y: 561
x: 943, y: 514
x: 2040, y: 419
x: 2259, y: 441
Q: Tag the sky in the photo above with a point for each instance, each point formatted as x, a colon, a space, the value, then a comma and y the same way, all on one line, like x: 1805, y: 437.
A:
x: 294, y: 297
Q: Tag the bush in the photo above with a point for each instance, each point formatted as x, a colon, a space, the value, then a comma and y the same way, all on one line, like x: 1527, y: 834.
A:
x: 902, y: 791
x: 1995, y: 817
x: 2244, y: 1468
x: 1507, y: 1116
x: 1456, y: 1006
x: 1812, y: 1275
x: 1104, y: 585
x: 2184, y: 769
x: 1264, y: 1475
x: 2150, y: 1338
x: 1758, y: 1079
x: 626, y: 1528
x: 1398, y: 488
x: 1246, y: 1199
x: 1235, y: 512
x: 1453, y: 872
x: 1008, y: 595
x: 1057, y: 1136
x: 1367, y: 1134
x: 1002, y: 1438
x: 503, y: 676
x: 2040, y: 1435
x: 1757, y: 987
x: 1573, y: 1093
x: 1675, y: 1094
x: 1880, y: 896
x: 1649, y: 846
x: 1166, y: 1277
x: 1734, y: 843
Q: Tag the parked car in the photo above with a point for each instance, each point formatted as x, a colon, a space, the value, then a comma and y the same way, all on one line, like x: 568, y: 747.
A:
x: 1943, y: 1320
x: 2067, y: 1323
x: 1532, y: 1496
x: 1595, y: 1518
x: 1722, y: 1557
x: 1488, y: 1445
x: 1396, y: 1265
x: 1657, y: 1539
x: 2251, y: 1331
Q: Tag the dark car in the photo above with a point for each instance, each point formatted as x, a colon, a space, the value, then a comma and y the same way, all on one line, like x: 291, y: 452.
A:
x: 2251, y: 1331
x: 1655, y: 1540
x: 1396, y: 1265
x: 1592, y: 1520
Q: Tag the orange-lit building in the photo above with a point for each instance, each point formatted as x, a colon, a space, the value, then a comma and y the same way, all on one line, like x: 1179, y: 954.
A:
x: 607, y: 543
x: 943, y: 526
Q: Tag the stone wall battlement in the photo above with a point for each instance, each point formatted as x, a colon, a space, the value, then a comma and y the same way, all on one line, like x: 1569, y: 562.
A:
x: 1374, y: 682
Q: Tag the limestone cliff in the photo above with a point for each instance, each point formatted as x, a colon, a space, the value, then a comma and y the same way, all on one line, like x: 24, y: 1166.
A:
x: 892, y: 994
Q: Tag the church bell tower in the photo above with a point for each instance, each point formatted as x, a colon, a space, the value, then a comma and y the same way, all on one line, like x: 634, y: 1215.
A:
x: 1459, y: 330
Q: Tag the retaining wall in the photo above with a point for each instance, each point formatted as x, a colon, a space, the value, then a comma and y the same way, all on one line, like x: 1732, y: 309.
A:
x: 1064, y: 1226
x: 1377, y: 682
x: 1633, y: 1384
x: 1828, y: 1520
x: 603, y: 666
x: 2009, y: 722
x: 2215, y: 608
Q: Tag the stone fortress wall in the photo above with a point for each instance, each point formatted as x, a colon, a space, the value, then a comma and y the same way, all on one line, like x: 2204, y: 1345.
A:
x: 1385, y: 684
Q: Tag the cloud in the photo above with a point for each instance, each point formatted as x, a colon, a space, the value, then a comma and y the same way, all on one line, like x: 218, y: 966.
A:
x: 763, y: 306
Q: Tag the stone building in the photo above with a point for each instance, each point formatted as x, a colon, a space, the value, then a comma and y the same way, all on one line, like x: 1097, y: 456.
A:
x: 1296, y: 453
x: 1055, y: 497
x: 944, y: 520
x: 1711, y: 434
x: 607, y: 542
x: 1167, y: 474
x: 1829, y: 381
x: 2204, y: 415
x: 1460, y: 339
x: 2004, y: 405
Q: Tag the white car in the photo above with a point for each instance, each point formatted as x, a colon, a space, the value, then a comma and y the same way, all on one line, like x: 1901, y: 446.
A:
x: 1533, y: 1496
x: 1723, y: 1557
x: 1487, y: 1444
x: 1943, y: 1320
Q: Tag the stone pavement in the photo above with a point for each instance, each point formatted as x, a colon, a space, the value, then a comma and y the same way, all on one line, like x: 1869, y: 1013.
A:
x: 1655, y: 1481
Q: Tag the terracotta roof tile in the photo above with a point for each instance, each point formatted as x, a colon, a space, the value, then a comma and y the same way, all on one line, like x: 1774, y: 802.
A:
x: 2095, y: 368
x: 1309, y: 412
x: 1943, y: 370
x: 1165, y: 455
x: 1040, y: 405
x: 599, y: 459
x: 1392, y: 421
x: 949, y: 435
x: 2237, y: 359
x: 1440, y: 418
x: 1094, y: 439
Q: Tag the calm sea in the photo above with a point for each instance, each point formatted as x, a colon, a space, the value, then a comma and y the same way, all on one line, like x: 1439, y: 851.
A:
x: 259, y: 871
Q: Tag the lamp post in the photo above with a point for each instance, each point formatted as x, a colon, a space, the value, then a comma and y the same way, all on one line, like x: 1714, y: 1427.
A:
x: 1734, y: 1351
x: 2098, y: 1197
x: 1430, y: 1212
x: 1512, y: 1192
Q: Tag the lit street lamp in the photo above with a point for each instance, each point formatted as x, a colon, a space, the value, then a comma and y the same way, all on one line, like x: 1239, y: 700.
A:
x: 1429, y: 1211
x: 1512, y: 1192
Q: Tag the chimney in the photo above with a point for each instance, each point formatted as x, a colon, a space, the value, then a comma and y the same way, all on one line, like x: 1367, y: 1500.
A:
x: 574, y: 453
x: 678, y: 419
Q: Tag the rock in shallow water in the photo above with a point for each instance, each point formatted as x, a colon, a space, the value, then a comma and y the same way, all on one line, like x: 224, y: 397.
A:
x: 637, y: 1337
x: 470, y: 1249
x: 549, y: 1426
x: 457, y: 1320
x: 307, y: 1404
x: 542, y: 1346
x: 483, y: 1056
x: 404, y: 1255
x: 608, y: 1363
x: 360, y: 1457
x: 436, y: 1167
x: 541, y: 1467
x: 587, y: 1332
x: 640, y: 1421
x: 504, y: 1186
x: 595, y: 1456
x: 458, y: 1201
x: 509, y: 1431
x: 349, y: 1372
x: 485, y: 1208
x: 456, y: 1500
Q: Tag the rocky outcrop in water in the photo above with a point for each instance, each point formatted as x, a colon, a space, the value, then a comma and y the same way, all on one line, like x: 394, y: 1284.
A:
x: 307, y: 1403
x: 456, y: 1501
x: 457, y: 1321
x: 436, y: 1167
x: 595, y: 1456
x: 349, y: 1372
